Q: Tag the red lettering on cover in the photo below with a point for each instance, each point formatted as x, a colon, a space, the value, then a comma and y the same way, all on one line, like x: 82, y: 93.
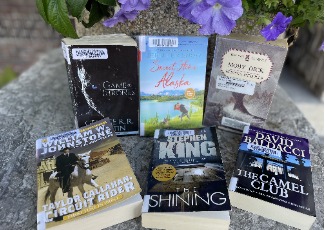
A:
x: 166, y: 81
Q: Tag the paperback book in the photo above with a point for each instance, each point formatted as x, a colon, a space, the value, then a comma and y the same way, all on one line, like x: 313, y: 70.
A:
x: 244, y: 76
x: 172, y: 82
x: 273, y: 177
x: 186, y: 182
x: 84, y: 180
x: 103, y: 80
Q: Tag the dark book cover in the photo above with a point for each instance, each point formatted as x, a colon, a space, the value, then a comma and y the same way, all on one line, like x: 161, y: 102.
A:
x: 276, y: 168
x: 186, y: 173
x: 244, y: 77
x: 103, y: 81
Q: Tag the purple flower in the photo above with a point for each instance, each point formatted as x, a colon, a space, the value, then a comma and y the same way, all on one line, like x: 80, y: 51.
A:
x: 279, y: 24
x: 214, y: 16
x: 121, y: 16
x: 130, y: 5
x: 129, y: 11
x: 186, y: 7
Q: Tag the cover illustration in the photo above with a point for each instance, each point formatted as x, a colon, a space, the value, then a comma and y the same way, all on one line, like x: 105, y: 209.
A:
x: 243, y: 81
x: 276, y: 168
x: 172, y: 82
x: 104, y: 82
x: 80, y: 172
x: 186, y: 173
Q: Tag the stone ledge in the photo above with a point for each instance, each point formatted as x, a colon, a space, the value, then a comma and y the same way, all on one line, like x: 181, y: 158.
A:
x: 38, y: 104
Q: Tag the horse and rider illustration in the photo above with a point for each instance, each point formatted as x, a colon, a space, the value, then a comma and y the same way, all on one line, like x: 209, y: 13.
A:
x: 71, y: 171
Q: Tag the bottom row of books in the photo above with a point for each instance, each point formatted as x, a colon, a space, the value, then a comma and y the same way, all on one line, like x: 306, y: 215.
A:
x: 85, y: 180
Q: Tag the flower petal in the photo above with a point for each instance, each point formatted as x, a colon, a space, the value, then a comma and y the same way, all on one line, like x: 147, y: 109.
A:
x: 205, y: 16
x: 185, y: 12
x: 229, y: 3
x: 221, y: 24
x: 206, y: 29
x: 131, y: 15
x: 183, y: 2
x: 233, y: 13
x: 276, y: 27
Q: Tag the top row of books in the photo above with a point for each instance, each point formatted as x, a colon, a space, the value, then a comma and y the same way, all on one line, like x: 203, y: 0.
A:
x: 159, y: 82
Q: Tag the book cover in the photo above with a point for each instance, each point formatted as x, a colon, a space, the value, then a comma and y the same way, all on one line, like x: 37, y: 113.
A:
x: 275, y: 168
x: 81, y: 172
x: 103, y: 80
x: 172, y: 82
x: 244, y: 76
x: 186, y: 173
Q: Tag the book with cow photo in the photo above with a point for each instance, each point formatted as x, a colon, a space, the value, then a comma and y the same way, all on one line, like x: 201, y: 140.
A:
x: 273, y: 177
x: 103, y: 79
x: 172, y: 71
x: 84, y: 180
x: 186, y: 182
x: 244, y: 76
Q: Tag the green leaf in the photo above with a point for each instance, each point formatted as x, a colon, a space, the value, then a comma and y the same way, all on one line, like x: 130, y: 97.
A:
x: 264, y: 21
x: 245, y: 5
x: 96, y: 14
x: 58, y: 16
x: 297, y: 21
x: 107, y: 2
x: 41, y: 10
x: 76, y: 7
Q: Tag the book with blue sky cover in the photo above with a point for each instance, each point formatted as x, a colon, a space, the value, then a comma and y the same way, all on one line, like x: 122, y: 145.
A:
x: 172, y: 82
x: 273, y: 177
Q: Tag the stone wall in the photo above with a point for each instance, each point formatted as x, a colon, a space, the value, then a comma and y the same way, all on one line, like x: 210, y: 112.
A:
x: 307, y: 60
x: 23, y: 35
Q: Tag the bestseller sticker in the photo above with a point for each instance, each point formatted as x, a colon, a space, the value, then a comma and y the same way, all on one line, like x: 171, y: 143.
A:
x: 189, y: 93
x: 164, y: 172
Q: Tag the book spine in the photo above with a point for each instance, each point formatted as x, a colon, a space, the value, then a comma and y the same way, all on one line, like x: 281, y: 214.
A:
x: 67, y: 57
x: 141, y: 49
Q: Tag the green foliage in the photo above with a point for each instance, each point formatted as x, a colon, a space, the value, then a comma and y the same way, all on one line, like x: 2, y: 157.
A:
x: 56, y: 13
x: 302, y: 11
x: 7, y: 75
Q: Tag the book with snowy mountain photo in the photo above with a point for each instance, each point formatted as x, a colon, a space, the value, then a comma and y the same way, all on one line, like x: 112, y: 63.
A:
x: 273, y: 177
x: 172, y: 72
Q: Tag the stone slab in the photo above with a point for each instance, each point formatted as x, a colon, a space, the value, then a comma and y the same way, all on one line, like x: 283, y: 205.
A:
x: 38, y: 104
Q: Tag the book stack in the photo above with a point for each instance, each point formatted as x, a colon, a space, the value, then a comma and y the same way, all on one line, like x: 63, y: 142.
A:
x: 159, y: 91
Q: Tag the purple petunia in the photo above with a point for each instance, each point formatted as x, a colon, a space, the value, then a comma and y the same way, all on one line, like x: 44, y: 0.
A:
x: 186, y: 7
x: 279, y: 24
x: 121, y: 16
x: 214, y: 16
x: 130, y: 5
x: 129, y: 10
